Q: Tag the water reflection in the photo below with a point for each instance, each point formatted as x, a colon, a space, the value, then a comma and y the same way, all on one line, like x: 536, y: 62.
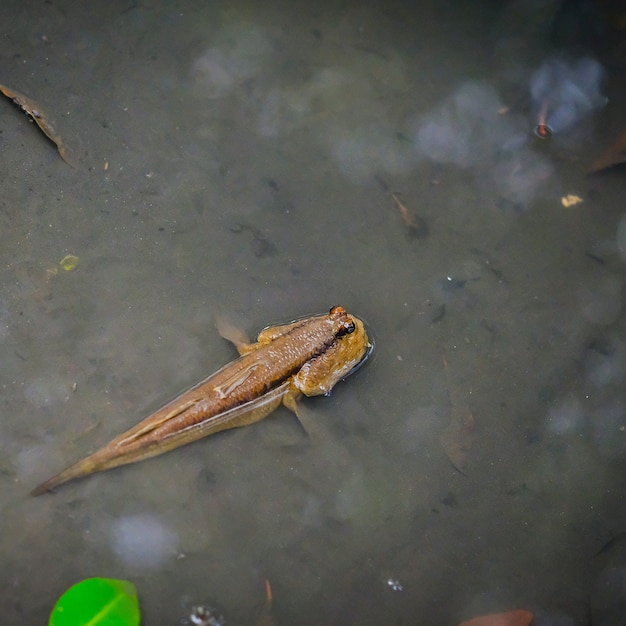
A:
x: 245, y: 149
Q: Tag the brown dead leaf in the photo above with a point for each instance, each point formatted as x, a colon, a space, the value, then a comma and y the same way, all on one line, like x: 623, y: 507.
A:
x: 517, y: 617
x: 614, y: 155
x: 458, y: 438
x: 34, y: 110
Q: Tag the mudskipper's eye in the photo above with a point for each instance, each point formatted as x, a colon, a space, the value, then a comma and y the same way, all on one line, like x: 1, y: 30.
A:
x: 348, y: 328
x: 337, y: 312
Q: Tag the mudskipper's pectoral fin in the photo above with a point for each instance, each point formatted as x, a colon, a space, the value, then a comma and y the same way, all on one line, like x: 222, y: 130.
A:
x: 291, y: 401
x: 235, y: 335
x: 330, y: 452
x: 307, y: 418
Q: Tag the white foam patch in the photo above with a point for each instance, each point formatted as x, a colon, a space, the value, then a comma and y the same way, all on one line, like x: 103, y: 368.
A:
x: 342, y: 110
x: 565, y: 91
x: 143, y: 541
x: 567, y: 417
x: 519, y: 176
x: 605, y: 367
x: 236, y: 58
x: 437, y: 139
x: 411, y: 431
x: 312, y: 512
x: 271, y: 113
x: 4, y: 320
x: 609, y: 428
x: 473, y: 130
x: 352, y: 497
x: 370, y: 150
x: 601, y: 300
x: 47, y: 391
x: 322, y: 97
x: 30, y: 461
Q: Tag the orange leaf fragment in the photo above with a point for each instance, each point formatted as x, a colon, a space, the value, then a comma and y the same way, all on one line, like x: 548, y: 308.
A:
x: 517, y: 617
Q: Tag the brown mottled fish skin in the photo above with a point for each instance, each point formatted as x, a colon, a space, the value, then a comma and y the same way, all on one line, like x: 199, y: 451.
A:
x: 308, y: 356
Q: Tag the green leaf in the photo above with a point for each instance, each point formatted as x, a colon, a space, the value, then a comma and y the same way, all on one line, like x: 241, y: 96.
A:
x: 97, y: 602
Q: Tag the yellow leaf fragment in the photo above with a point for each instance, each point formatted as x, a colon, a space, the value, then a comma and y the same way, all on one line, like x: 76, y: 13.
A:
x: 570, y: 200
x: 69, y: 262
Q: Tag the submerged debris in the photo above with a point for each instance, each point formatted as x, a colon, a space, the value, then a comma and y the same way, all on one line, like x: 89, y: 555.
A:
x: 37, y: 114
x: 614, y: 155
x: 415, y: 225
x: 458, y: 437
x: 261, y: 246
x: 205, y: 616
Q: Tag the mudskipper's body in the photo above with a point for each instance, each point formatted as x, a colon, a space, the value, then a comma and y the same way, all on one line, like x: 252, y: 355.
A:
x: 308, y: 356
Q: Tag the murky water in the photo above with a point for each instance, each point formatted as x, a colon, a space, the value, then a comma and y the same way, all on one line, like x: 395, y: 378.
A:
x: 239, y: 158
